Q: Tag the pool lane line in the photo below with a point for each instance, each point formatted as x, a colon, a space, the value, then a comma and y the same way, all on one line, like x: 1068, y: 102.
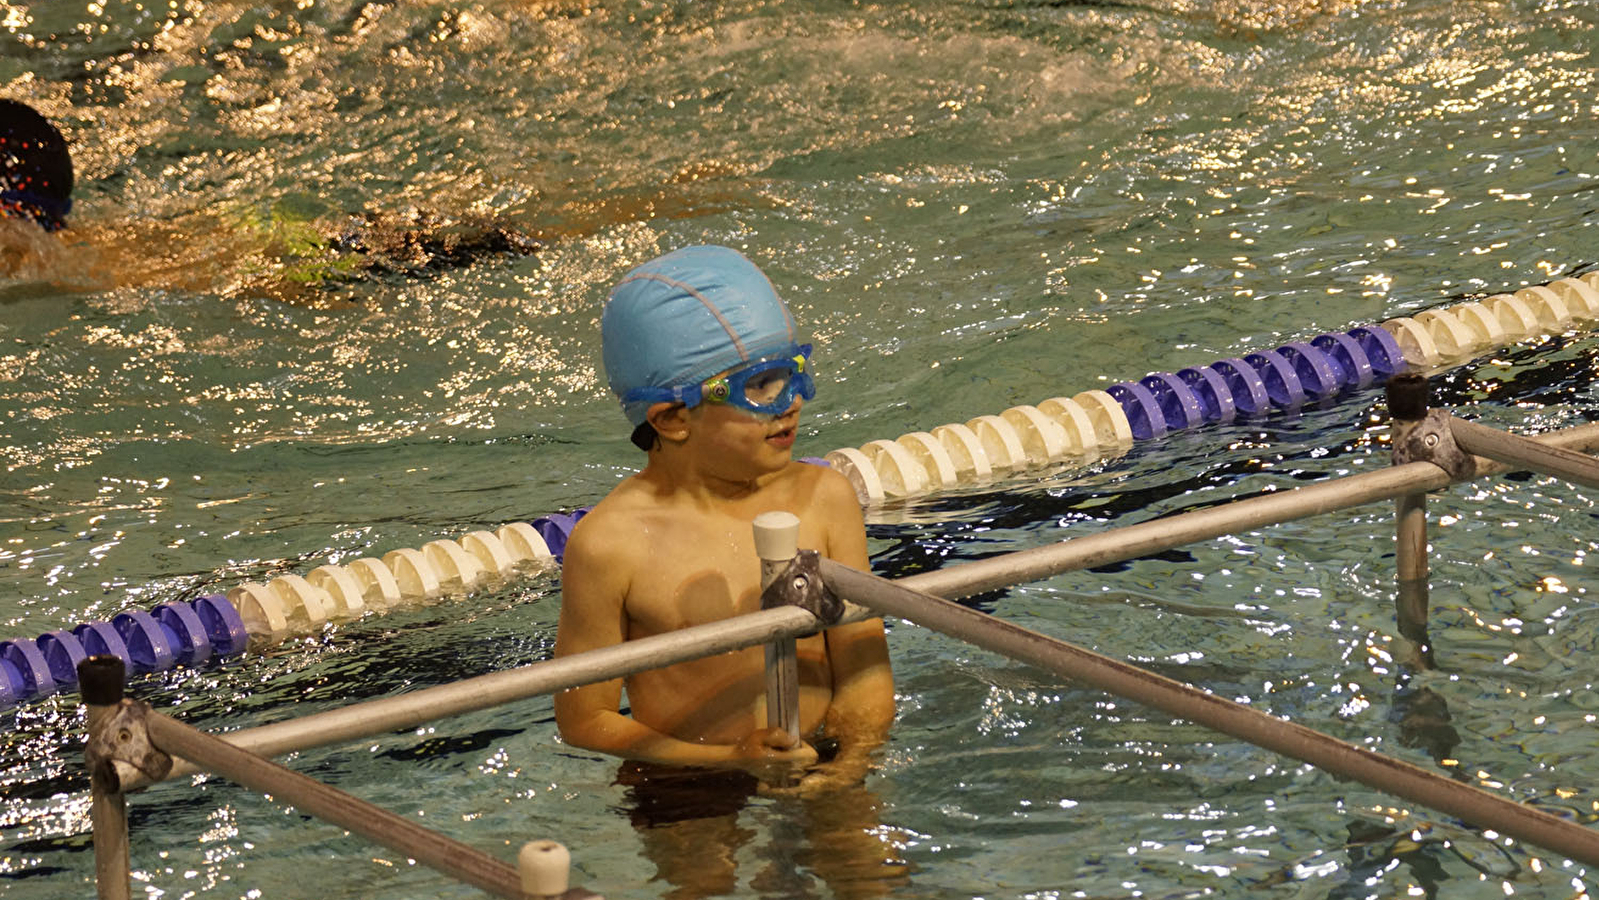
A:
x: 258, y: 615
x: 1091, y: 425
x: 1099, y: 424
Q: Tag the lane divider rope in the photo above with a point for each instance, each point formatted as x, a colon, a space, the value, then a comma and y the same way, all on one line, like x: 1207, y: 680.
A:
x: 1093, y: 424
x: 1100, y: 424
x: 255, y: 615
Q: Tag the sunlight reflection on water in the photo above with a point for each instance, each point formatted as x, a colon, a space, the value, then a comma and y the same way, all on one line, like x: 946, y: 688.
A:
x: 332, y: 287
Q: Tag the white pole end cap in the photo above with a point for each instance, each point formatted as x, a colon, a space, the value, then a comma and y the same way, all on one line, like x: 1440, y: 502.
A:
x: 777, y: 535
x: 544, y: 867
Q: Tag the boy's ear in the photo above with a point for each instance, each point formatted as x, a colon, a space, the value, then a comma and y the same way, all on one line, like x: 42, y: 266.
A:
x: 670, y: 420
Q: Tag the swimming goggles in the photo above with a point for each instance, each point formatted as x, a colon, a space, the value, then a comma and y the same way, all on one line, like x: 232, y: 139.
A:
x: 766, y: 387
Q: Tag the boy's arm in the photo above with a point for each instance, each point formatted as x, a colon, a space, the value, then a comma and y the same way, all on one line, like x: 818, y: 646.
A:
x: 863, y: 684
x: 595, y: 576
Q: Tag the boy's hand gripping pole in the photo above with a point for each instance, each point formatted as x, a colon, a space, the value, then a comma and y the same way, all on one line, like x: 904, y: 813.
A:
x: 777, y: 543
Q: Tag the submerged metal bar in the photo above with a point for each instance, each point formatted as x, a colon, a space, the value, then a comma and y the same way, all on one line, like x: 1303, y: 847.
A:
x: 409, y: 710
x: 1411, y: 600
x: 333, y: 805
x: 1407, y: 404
x: 1523, y: 452
x: 1261, y: 729
x: 1165, y: 533
x: 100, y: 684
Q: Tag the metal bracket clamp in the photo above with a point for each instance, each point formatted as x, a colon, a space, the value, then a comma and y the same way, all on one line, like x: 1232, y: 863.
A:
x: 1431, y: 440
x: 120, y: 747
x: 800, y: 584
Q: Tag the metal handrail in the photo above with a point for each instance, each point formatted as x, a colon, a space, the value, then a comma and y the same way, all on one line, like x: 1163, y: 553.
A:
x: 1245, y: 722
x: 374, y: 717
x: 330, y: 804
x: 1156, y: 535
x: 238, y: 755
x: 1129, y: 542
x: 127, y: 738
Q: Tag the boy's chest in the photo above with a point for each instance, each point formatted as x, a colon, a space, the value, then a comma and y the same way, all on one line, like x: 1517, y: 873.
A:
x: 691, y: 574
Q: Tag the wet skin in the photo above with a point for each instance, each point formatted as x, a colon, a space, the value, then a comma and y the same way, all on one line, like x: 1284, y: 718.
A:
x: 673, y: 547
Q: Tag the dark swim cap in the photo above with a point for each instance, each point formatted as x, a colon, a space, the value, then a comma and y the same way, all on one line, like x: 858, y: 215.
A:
x: 35, y: 168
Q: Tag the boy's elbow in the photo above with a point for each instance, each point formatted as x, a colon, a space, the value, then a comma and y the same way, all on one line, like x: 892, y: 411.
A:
x: 584, y: 735
x: 579, y: 726
x: 868, y: 706
x: 578, y: 737
x: 880, y: 711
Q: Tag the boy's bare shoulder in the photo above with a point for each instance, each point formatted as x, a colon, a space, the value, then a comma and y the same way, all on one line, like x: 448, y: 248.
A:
x: 823, y: 487
x: 608, y: 533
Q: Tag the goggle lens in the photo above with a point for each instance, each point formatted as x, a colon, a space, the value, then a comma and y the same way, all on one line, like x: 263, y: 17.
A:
x: 767, y: 387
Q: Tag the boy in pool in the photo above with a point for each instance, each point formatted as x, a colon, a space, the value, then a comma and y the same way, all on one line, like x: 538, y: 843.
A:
x: 705, y: 358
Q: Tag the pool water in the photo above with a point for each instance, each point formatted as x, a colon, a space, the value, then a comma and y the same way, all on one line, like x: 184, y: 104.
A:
x: 333, y: 287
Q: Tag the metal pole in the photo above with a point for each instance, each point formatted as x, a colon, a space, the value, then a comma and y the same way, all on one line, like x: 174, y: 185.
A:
x: 1522, y: 452
x: 333, y: 805
x: 1154, y: 536
x: 1407, y: 404
x: 776, y: 543
x: 1116, y: 677
x: 100, y: 685
x: 485, y: 691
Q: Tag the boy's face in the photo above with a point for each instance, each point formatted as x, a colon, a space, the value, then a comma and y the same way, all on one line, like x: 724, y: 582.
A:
x: 739, y: 445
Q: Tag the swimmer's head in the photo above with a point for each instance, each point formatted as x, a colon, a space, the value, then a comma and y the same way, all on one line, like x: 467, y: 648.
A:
x: 680, y: 318
x: 35, y: 168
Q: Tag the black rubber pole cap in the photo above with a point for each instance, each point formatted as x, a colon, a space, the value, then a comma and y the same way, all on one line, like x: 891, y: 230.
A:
x: 1407, y: 396
x: 100, y: 679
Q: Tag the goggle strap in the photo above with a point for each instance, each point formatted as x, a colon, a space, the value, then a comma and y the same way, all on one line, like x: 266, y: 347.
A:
x: 685, y: 394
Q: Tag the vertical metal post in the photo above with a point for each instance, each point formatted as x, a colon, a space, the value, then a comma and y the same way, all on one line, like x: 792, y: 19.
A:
x: 777, y: 543
x: 1407, y: 405
x: 100, y: 684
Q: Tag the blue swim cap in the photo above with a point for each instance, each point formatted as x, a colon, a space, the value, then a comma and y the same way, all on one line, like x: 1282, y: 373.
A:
x: 683, y: 317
